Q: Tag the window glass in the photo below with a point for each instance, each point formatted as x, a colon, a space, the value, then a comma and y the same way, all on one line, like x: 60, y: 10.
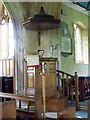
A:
x: 7, y: 40
x: 81, y: 44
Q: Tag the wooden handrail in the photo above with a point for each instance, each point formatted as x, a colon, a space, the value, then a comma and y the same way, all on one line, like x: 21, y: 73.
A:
x: 19, y: 97
x: 59, y: 71
x: 68, y: 82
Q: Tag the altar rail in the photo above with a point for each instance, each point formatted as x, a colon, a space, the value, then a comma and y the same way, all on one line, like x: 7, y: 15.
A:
x: 68, y: 84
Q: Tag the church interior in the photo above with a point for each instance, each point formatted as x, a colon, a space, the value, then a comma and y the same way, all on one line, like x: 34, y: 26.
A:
x: 44, y: 59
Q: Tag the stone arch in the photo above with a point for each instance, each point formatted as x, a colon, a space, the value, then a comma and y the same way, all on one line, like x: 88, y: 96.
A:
x: 16, y: 12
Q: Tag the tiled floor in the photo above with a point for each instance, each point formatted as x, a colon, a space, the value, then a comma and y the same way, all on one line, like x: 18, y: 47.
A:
x: 82, y: 114
x: 79, y: 114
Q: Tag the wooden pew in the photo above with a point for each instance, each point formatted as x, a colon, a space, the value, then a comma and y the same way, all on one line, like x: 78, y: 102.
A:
x: 8, y: 109
x: 68, y: 112
x: 56, y: 104
x: 53, y: 105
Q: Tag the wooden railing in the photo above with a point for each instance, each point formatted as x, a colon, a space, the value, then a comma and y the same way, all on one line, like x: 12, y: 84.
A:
x: 32, y: 99
x: 7, y: 67
x: 19, y: 97
x: 68, y: 84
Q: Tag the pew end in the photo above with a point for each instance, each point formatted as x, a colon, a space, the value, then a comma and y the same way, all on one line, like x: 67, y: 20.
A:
x: 8, y: 109
x: 57, y: 104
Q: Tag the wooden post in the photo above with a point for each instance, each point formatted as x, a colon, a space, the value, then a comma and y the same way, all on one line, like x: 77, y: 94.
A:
x: 25, y: 74
x: 9, y: 67
x: 2, y: 67
x: 43, y: 89
x: 67, y: 85
x: 59, y: 89
x: 88, y: 106
x: 76, y: 92
x: 63, y: 85
x: 43, y: 94
x: 40, y: 101
x: 71, y: 90
x: 38, y: 94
